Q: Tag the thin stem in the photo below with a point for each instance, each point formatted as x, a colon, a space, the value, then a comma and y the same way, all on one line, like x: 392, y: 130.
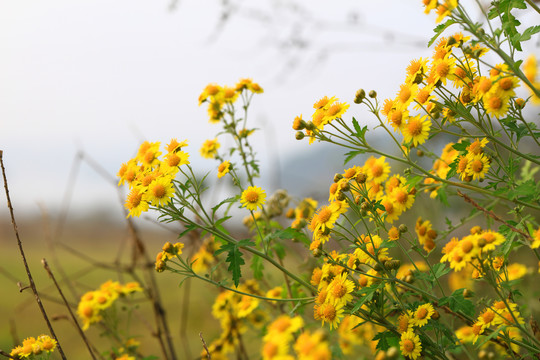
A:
x: 28, y: 273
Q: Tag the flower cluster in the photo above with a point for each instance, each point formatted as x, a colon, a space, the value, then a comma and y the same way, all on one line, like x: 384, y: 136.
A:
x: 93, y: 303
x: 32, y: 347
x: 219, y: 97
x: 169, y: 251
x: 150, y: 179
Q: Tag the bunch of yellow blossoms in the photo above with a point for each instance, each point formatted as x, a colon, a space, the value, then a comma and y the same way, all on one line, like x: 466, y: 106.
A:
x: 234, y: 312
x: 218, y: 97
x: 168, y: 252
x: 32, y: 347
x: 150, y: 179
x: 280, y: 335
x: 92, y: 303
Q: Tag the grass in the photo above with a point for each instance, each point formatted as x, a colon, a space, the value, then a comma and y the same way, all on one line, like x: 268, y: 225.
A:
x: 105, y: 243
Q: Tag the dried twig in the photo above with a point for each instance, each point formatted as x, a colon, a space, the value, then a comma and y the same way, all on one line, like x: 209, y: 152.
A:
x: 492, y: 215
x: 7, y: 355
x: 81, y: 332
x: 28, y: 273
x: 205, y: 347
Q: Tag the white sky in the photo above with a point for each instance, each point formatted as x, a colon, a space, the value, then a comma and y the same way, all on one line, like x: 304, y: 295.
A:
x: 102, y: 75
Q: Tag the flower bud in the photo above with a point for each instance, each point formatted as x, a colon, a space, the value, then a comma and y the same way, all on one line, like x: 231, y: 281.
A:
x: 344, y: 187
x: 402, y: 228
x: 310, y: 126
x: 520, y: 103
x: 299, y: 135
x: 361, y: 178
x: 372, y: 94
x: 298, y: 123
x: 419, y: 153
x: 337, y: 177
x: 360, y: 95
x: 340, y: 196
x: 357, y: 199
x: 435, y: 315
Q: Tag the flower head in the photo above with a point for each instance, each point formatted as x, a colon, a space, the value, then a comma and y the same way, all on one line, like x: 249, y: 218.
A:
x: 253, y: 197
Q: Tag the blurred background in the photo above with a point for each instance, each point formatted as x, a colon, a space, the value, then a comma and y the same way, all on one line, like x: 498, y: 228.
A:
x: 83, y: 83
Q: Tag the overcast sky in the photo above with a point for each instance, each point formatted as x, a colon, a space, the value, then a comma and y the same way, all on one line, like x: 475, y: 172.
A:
x: 101, y: 76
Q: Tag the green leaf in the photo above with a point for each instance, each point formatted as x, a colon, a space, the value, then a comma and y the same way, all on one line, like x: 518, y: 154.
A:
x: 352, y: 154
x: 386, y: 339
x: 457, y: 303
x: 234, y: 258
x: 440, y: 270
x: 526, y: 35
x: 413, y: 181
x: 439, y: 29
x: 257, y: 267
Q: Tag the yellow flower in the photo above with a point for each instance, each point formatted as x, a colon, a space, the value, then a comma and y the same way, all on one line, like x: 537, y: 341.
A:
x: 135, y: 202
x: 478, y: 166
x: 329, y: 313
x: 536, y: 240
x: 160, y: 191
x: 224, y: 168
x: 416, y: 130
x: 422, y: 314
x: 253, y: 197
x: 496, y: 104
x: 377, y: 170
x: 209, y: 149
x: 340, y: 288
x: 410, y: 345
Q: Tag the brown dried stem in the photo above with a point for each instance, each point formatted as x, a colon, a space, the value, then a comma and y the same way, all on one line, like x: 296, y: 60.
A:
x: 205, y: 347
x: 28, y: 273
x: 79, y: 329
x: 494, y: 216
x: 7, y: 355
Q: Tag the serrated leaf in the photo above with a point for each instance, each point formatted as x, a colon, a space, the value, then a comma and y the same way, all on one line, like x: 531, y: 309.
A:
x: 439, y: 29
x: 352, y: 154
x: 413, y: 181
x: 386, y: 339
x: 235, y: 260
x: 257, y: 267
x: 457, y: 303
x: 526, y: 35
x: 440, y: 270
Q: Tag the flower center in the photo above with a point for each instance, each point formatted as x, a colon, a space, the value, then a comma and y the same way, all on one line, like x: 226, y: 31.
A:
x: 159, y: 191
x: 421, y: 313
x: 324, y: 215
x: 495, y: 102
x: 415, y: 127
x: 477, y: 166
x: 252, y: 196
x: 408, y: 345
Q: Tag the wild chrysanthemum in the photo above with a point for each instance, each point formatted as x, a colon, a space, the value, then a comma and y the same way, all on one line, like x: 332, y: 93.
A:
x: 329, y: 313
x: 406, y: 94
x: 410, y: 345
x: 422, y: 314
x: 224, y: 168
x: 334, y: 111
x: 401, y: 198
x: 416, y: 130
x: 340, y: 289
x: 442, y: 70
x: 404, y: 322
x: 160, y: 191
x: 478, y: 166
x: 377, y: 170
x: 536, y: 239
x: 209, y: 149
x: 135, y: 202
x: 253, y: 197
x: 496, y: 104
